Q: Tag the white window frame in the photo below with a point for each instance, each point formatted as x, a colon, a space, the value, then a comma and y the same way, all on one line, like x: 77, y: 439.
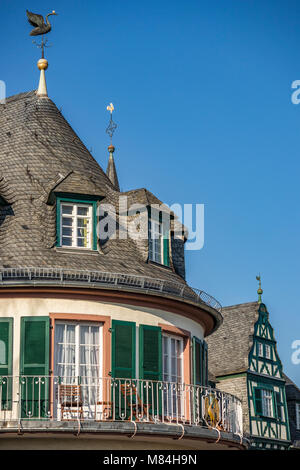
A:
x: 298, y: 416
x: 267, y: 403
x: 268, y: 351
x: 155, y: 230
x: 169, y: 374
x: 260, y: 349
x: 90, y: 409
x: 173, y: 399
x: 75, y: 217
x: 77, y: 325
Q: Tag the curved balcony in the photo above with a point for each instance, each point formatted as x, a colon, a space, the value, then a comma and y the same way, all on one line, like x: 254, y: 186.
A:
x: 98, y: 279
x: 45, y: 403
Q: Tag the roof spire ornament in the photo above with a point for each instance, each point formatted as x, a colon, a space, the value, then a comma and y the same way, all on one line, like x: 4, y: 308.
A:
x: 41, y: 28
x: 259, y: 290
x: 111, y: 167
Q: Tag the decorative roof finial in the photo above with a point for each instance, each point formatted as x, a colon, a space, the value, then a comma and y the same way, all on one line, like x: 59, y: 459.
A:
x: 41, y: 27
x: 112, y: 125
x: 259, y: 290
x: 111, y: 167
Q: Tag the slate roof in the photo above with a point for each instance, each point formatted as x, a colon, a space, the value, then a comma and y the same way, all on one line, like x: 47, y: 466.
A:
x: 292, y: 390
x: 40, y: 153
x: 229, y: 346
x: 111, y: 172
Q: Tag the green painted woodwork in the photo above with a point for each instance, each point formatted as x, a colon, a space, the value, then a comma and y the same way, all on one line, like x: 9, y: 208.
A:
x: 123, y: 349
x: 150, y: 352
x: 166, y: 252
x: 200, y: 359
x: 34, y: 366
x: 6, y: 348
x: 265, y: 373
x: 123, y: 364
x: 150, y: 365
x: 264, y: 335
x: 76, y: 199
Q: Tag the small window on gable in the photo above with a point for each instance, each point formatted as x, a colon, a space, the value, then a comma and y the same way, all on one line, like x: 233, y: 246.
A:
x: 260, y: 349
x: 76, y: 224
x: 268, y: 351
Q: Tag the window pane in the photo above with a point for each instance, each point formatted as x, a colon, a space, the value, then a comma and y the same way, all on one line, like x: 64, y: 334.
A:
x: 82, y: 210
x: 81, y: 242
x: 67, y: 221
x: 82, y: 232
x: 66, y: 241
x: 66, y: 209
x: 67, y: 231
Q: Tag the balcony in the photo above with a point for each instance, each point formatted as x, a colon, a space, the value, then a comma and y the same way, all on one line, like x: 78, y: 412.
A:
x: 93, y: 404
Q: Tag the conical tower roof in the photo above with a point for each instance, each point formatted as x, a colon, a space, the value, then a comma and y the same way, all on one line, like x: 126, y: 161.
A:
x: 111, y: 169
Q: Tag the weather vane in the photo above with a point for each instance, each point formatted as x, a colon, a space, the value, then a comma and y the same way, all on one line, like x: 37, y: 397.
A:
x: 259, y: 290
x: 112, y: 125
x: 41, y: 28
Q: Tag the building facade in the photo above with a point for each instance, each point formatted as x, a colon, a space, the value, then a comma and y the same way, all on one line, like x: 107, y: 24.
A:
x: 293, y: 403
x: 244, y: 358
x: 102, y: 341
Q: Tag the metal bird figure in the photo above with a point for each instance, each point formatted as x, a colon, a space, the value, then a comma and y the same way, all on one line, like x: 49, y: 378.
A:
x: 41, y: 27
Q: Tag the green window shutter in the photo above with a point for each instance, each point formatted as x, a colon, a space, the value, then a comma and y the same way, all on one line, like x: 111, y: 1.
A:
x: 166, y: 252
x: 6, y: 346
x: 258, y: 401
x: 123, y: 349
x: 34, y: 367
x: 150, y: 353
x: 197, y: 361
x: 34, y: 346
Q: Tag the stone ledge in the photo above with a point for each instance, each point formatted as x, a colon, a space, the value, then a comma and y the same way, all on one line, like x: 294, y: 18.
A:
x: 173, y: 431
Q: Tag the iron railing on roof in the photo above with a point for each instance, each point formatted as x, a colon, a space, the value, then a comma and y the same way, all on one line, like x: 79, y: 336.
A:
x: 64, y: 276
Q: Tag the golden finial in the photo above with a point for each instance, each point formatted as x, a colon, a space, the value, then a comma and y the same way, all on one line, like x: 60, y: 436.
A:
x: 110, y: 108
x: 259, y: 290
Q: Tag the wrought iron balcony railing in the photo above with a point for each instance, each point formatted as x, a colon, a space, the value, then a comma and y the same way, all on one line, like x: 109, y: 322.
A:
x: 54, y: 398
x: 62, y: 276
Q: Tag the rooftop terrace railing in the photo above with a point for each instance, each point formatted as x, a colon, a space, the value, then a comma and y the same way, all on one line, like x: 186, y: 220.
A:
x: 37, y: 276
x: 95, y: 399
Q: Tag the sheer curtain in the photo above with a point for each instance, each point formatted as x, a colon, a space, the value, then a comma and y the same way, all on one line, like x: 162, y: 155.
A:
x: 65, y: 353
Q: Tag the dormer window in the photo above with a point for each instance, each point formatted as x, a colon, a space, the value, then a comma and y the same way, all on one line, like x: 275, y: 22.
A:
x: 158, y: 242
x: 76, y: 224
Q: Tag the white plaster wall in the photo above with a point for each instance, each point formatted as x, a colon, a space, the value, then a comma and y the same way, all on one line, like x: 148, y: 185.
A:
x: 21, y: 307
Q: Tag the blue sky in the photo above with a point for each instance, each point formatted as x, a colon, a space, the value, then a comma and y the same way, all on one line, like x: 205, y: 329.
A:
x: 202, y: 95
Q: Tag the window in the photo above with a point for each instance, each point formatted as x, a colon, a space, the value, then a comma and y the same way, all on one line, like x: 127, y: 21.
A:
x: 298, y: 415
x: 172, y: 359
x: 172, y: 373
x: 267, y: 403
x: 264, y: 402
x: 76, y: 225
x: 78, y: 349
x: 268, y: 351
x: 260, y: 349
x: 76, y: 221
x: 158, y: 243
